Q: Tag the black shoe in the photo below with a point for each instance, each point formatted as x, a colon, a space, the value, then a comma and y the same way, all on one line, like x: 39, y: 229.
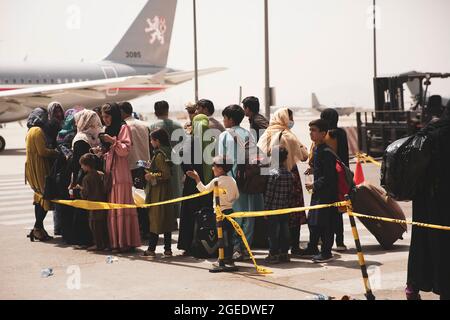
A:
x: 272, y: 259
x: 308, y: 253
x: 296, y: 251
x: 322, y: 258
x: 284, y: 258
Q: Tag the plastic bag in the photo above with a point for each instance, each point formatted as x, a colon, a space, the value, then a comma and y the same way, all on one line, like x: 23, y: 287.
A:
x: 405, y: 164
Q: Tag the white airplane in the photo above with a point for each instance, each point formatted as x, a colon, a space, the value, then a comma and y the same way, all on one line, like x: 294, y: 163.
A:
x: 135, y: 67
x: 342, y: 111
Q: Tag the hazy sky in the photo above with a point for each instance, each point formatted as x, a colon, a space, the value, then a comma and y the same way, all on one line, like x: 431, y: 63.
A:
x: 323, y: 46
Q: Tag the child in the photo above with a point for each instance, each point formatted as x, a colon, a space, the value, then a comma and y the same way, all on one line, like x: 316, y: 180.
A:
x: 163, y: 219
x: 220, y: 169
x: 324, y: 190
x: 92, y: 189
x: 278, y: 195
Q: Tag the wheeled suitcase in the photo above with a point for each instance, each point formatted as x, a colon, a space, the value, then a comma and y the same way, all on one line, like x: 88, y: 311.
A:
x: 374, y: 201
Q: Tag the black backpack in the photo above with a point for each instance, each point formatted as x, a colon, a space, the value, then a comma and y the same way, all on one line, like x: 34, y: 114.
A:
x: 248, y: 175
x: 405, y: 165
x: 204, y: 243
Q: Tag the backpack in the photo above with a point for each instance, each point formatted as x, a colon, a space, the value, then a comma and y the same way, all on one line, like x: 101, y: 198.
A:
x: 205, y: 241
x: 345, y: 183
x: 405, y: 164
x: 248, y: 175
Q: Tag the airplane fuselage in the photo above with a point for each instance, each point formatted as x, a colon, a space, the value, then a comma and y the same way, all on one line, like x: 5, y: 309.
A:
x: 26, y: 75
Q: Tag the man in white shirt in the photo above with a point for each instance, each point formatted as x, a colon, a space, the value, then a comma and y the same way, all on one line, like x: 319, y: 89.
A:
x: 140, y: 150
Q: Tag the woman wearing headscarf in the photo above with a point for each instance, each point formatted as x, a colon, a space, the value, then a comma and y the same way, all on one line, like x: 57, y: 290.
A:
x: 336, y: 139
x: 63, y: 216
x: 195, y: 142
x: 88, y: 128
x: 55, y: 122
x: 279, y: 133
x: 123, y: 225
x: 37, y: 167
x: 69, y: 130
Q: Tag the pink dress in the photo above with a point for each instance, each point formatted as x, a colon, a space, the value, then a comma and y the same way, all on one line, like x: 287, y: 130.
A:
x: 123, y: 225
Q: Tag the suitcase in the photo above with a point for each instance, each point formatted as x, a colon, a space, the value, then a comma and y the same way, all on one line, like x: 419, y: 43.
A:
x: 374, y: 201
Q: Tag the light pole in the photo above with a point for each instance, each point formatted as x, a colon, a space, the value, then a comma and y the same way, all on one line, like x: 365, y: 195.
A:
x: 375, y: 39
x: 267, y: 94
x: 195, y: 52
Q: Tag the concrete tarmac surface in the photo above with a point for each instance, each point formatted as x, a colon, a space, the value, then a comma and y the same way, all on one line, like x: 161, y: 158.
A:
x: 79, y: 274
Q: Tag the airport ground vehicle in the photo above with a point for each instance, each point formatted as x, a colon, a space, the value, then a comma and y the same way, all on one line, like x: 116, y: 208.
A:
x: 391, y: 120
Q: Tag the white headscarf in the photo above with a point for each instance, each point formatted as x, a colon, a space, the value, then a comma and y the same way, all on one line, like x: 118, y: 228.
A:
x: 280, y: 123
x: 88, y: 127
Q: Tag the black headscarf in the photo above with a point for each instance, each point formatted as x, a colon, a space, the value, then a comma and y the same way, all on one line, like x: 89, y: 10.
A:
x: 38, y: 118
x: 332, y: 116
x: 54, y: 124
x: 114, y: 111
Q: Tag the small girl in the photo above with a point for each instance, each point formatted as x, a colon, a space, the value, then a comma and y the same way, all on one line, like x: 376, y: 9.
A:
x: 220, y: 169
x: 92, y: 189
x: 163, y: 219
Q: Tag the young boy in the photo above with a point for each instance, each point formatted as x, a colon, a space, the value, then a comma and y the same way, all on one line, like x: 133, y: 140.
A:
x: 232, y: 118
x: 92, y: 189
x: 220, y: 169
x: 324, y: 190
x: 278, y: 196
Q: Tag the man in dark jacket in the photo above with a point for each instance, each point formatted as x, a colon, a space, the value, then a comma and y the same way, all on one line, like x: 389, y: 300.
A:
x: 340, y: 137
x: 258, y: 122
x: 429, y: 254
x: 324, y: 189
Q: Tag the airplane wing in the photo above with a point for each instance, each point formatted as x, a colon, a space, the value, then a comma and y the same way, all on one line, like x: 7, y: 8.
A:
x: 93, y: 88
x: 17, y: 104
x: 178, y: 77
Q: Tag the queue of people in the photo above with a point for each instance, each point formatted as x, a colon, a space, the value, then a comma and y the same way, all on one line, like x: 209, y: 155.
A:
x: 93, y: 155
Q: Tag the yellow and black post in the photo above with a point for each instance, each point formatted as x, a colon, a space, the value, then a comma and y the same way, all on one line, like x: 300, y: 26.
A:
x: 221, y: 267
x: 362, y: 263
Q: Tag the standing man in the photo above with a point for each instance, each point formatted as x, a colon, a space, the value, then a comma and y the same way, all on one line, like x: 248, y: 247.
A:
x: 258, y: 125
x: 232, y: 118
x: 140, y: 150
x: 258, y: 122
x: 206, y: 107
x: 336, y: 139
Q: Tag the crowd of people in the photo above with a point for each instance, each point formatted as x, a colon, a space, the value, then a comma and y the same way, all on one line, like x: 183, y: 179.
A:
x: 91, y: 154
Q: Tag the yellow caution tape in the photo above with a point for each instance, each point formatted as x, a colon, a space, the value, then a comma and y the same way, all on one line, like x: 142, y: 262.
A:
x: 239, y: 231
x: 364, y: 157
x: 97, y: 205
x: 419, y: 224
x: 286, y: 211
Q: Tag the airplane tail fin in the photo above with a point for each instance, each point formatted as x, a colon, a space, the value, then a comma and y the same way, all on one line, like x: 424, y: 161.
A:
x: 314, y: 101
x: 147, y: 40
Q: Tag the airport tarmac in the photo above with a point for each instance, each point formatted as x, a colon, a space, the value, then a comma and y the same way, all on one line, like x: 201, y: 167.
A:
x: 84, y: 275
